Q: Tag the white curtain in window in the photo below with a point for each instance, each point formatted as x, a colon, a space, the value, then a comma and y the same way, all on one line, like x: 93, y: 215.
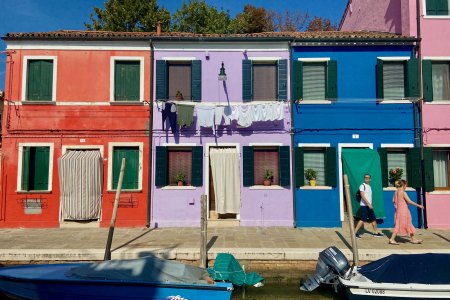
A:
x: 397, y: 160
x: 440, y: 166
x: 441, y: 82
x: 226, y: 178
x: 314, y: 75
x: 315, y: 159
x: 394, y: 80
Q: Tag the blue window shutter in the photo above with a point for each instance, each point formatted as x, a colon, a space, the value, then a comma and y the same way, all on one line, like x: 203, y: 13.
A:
x: 248, y: 166
x: 196, y: 80
x: 331, y: 80
x: 197, y: 166
x: 282, y: 79
x: 247, y: 80
x: 330, y: 167
x: 427, y: 77
x: 380, y: 87
x: 161, y: 80
x: 284, y: 166
x: 161, y: 166
x: 297, y: 89
x: 412, y: 70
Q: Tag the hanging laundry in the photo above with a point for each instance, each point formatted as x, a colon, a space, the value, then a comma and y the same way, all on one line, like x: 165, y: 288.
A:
x: 227, y: 115
x: 245, y: 116
x: 205, y: 116
x: 167, y: 113
x: 218, y: 115
x: 279, y: 111
x: 185, y: 115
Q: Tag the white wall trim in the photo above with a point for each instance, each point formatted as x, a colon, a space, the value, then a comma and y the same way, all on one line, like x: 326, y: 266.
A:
x: 181, y: 58
x: 179, y: 144
x: 341, y: 188
x: 437, y: 58
x: 65, y: 148
x: 394, y: 58
x: 314, y: 145
x: 26, y: 58
x: 79, y: 45
x: 314, y: 59
x: 265, y: 144
x: 110, y: 161
x: 397, y: 145
x: 309, y: 102
x: 438, y: 145
x: 50, y: 167
x: 113, y: 60
x: 264, y: 58
x: 387, y: 101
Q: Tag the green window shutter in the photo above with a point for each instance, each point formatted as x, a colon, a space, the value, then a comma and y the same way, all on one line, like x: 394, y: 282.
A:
x: 161, y: 80
x: 380, y: 87
x: 282, y: 79
x: 429, y: 172
x: 413, y: 164
x: 284, y: 166
x: 330, y: 167
x: 127, y: 80
x: 382, y: 152
x: 331, y: 80
x: 299, y: 167
x: 41, y: 168
x: 297, y: 89
x: 437, y: 7
x: 412, y: 79
x: 161, y: 166
x: 131, y: 173
x: 248, y: 166
x: 427, y: 77
x: 197, y: 166
x: 196, y: 80
x: 247, y: 80
x: 25, y: 168
x: 40, y: 80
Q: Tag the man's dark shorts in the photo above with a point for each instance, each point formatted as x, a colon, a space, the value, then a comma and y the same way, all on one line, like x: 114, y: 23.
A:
x: 367, y: 214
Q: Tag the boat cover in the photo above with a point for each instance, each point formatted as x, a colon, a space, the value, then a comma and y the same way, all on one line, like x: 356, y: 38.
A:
x: 146, y: 269
x: 427, y: 268
x: 227, y: 268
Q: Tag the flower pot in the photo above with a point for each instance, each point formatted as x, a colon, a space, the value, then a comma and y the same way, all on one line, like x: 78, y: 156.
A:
x: 180, y: 183
x: 312, y: 182
x: 179, y: 97
x: 267, y: 182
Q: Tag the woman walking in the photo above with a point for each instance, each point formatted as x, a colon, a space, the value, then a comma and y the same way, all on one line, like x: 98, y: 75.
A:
x: 403, y: 223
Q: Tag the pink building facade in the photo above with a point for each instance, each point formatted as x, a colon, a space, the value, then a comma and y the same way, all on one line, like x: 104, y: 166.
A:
x: 400, y: 16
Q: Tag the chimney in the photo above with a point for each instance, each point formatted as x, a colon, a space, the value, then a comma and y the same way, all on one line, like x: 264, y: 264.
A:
x: 158, y: 28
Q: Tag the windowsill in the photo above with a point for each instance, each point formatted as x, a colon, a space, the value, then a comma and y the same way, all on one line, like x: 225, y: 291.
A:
x: 33, y: 192
x: 266, y: 187
x: 439, y: 192
x: 134, y: 102
x: 126, y: 191
x: 436, y: 17
x: 391, y: 188
x: 175, y: 187
x: 308, y: 187
x: 38, y: 102
x: 388, y: 101
x: 314, y: 102
x: 438, y: 102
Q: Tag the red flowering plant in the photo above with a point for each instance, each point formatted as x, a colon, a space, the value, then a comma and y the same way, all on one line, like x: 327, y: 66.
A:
x: 395, y: 175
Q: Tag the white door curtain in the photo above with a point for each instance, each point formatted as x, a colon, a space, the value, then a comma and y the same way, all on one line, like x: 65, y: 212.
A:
x: 226, y: 179
x: 80, y: 180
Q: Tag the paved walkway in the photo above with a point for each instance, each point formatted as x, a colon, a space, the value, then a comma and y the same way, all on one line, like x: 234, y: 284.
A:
x: 252, y: 243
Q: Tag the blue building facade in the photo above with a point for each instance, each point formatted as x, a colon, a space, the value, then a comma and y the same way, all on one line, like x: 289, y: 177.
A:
x: 357, y: 96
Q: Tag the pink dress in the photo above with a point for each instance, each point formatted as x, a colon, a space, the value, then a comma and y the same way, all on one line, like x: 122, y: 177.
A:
x: 403, y: 223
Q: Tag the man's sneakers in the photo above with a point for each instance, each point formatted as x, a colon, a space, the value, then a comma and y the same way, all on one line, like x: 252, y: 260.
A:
x: 378, y: 235
x: 358, y: 236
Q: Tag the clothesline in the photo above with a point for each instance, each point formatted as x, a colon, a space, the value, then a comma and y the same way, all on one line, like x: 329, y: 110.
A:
x: 192, y: 103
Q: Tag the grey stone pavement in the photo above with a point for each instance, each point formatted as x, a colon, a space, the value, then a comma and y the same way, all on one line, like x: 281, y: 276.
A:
x: 250, y: 243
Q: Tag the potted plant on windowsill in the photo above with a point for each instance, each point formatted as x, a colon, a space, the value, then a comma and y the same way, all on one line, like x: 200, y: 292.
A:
x: 180, y: 179
x: 268, y: 177
x: 179, y: 95
x: 311, y: 176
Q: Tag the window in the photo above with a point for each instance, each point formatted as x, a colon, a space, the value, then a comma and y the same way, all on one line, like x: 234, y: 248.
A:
x: 258, y: 159
x: 436, y: 80
x: 35, y: 168
x: 397, y: 78
x: 178, y: 80
x: 397, y: 159
x: 321, y: 159
x: 39, y: 80
x: 441, y: 160
x: 437, y: 7
x: 127, y: 78
x: 315, y: 79
x: 132, y: 166
x: 394, y: 80
x: 315, y: 159
x: 172, y: 161
x: 264, y: 80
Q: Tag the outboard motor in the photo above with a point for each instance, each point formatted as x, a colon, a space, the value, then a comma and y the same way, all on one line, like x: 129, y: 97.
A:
x: 331, y: 264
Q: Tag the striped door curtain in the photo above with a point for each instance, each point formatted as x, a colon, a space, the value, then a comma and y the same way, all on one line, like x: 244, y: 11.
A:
x: 80, y: 179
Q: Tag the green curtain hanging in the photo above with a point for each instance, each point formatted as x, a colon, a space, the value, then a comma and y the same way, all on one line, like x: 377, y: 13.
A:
x: 356, y: 163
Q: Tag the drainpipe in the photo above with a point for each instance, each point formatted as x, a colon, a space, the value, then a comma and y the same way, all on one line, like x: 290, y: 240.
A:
x: 293, y: 179
x: 422, y: 163
x: 150, y: 135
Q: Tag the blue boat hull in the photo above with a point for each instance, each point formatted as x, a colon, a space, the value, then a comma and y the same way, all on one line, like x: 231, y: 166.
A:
x: 54, y: 285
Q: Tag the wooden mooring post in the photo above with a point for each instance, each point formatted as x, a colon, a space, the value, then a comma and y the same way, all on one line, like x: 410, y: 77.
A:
x: 350, y: 221
x: 203, y: 233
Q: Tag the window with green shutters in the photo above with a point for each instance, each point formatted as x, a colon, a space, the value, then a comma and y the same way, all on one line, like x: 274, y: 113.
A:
x: 397, y: 158
x: 397, y: 80
x: 39, y: 80
x: 436, y: 80
x: 132, y: 167
x: 437, y: 7
x: 314, y: 80
x: 320, y: 159
x: 35, y: 168
x: 441, y: 162
x: 127, y: 81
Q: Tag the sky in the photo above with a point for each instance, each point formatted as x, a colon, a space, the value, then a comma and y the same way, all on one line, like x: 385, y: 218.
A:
x: 49, y: 15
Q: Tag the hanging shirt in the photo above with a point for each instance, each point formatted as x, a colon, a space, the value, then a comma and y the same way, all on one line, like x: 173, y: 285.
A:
x: 205, y: 116
x: 167, y: 113
x: 245, y: 115
x: 185, y: 115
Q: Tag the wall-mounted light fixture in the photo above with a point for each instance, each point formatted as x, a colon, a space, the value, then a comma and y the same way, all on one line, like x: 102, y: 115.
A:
x: 222, y: 75
x: 207, y: 55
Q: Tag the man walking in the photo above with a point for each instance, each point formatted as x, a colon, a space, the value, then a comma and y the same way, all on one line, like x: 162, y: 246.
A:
x: 366, y: 211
